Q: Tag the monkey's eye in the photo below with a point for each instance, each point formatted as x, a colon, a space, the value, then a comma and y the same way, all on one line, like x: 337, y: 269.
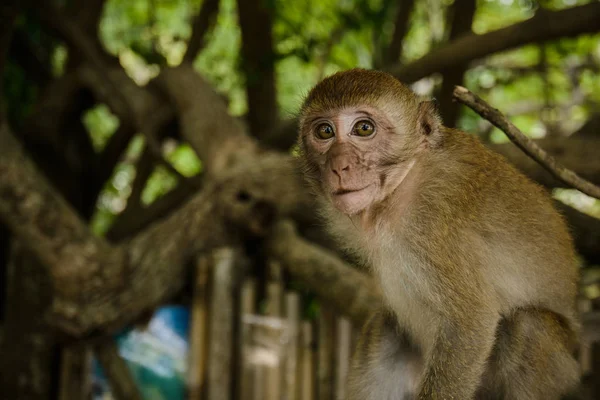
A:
x: 324, y: 131
x: 363, y: 128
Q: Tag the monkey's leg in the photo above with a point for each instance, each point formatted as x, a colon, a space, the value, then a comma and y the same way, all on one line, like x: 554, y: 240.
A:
x: 531, y: 359
x: 384, y: 366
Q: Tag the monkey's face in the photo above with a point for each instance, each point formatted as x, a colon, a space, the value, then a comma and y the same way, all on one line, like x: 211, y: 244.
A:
x: 354, y: 156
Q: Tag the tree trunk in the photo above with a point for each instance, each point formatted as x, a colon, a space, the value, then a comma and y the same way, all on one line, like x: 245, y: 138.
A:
x: 28, y: 368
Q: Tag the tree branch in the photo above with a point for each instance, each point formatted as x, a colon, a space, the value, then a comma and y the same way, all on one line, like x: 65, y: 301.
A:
x: 8, y: 13
x: 403, y: 13
x: 78, y: 40
x: 30, y: 58
x: 585, y: 231
x: 120, y: 99
x: 97, y: 287
x: 110, y: 156
x: 202, y: 112
x: 527, y: 145
x: 203, y: 23
x: 544, y: 26
x: 591, y: 128
x: 461, y: 20
x: 253, y: 187
x: 121, y: 382
x: 131, y: 223
x: 143, y: 170
x: 33, y: 211
x: 348, y: 290
x: 258, y: 65
x: 578, y: 153
x: 87, y: 14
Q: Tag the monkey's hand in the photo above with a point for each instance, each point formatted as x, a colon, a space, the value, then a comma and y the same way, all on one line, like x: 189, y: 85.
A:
x: 458, y: 357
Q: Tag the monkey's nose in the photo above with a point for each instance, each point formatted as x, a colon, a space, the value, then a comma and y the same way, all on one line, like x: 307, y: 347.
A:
x: 339, y: 167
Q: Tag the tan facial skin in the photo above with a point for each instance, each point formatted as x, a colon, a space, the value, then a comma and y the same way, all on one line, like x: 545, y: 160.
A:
x: 477, y: 268
x: 349, y: 151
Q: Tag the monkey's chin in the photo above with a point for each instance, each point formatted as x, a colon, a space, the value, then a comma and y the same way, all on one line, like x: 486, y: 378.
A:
x: 351, y: 203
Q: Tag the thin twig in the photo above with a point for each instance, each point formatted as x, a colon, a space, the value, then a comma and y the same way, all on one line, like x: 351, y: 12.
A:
x: 482, y: 108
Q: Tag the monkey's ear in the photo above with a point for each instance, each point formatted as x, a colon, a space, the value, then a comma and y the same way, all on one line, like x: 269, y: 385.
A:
x: 429, y: 122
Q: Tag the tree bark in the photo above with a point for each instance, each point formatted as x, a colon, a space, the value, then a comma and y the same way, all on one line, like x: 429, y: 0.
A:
x: 461, y: 20
x: 121, y: 382
x: 28, y: 363
x: 403, y: 13
x: 8, y: 13
x: 258, y: 65
x: 203, y: 22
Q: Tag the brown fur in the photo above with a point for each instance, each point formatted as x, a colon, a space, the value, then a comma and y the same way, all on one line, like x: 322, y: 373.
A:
x: 477, y: 268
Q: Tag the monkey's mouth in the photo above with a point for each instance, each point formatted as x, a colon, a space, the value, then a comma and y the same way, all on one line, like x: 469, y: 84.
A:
x: 350, y: 201
x: 341, y: 192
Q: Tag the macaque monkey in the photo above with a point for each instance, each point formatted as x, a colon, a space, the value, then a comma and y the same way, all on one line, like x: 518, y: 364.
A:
x: 477, y: 269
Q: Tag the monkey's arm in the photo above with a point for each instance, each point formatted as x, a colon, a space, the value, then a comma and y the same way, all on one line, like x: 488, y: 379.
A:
x: 465, y: 327
x: 458, y: 357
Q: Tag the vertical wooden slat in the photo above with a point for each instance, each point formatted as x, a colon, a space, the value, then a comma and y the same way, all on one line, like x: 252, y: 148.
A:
x: 248, y: 306
x: 292, y: 314
x: 76, y: 372
x: 325, y: 363
x: 299, y: 358
x: 343, y: 334
x: 259, y: 382
x: 198, y: 331
x: 221, y: 325
x: 120, y: 378
x: 585, y: 350
x: 273, y: 373
x: 308, y: 362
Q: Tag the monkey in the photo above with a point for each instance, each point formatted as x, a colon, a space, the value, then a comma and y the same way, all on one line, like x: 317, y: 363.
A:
x: 477, y: 269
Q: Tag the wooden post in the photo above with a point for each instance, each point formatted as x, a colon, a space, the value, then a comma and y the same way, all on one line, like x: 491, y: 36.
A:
x: 273, y: 373
x: 325, y: 364
x: 292, y: 315
x: 248, y: 307
x: 199, y: 331
x: 221, y: 325
x: 259, y: 382
x: 119, y: 377
x: 308, y: 362
x: 76, y: 373
x: 343, y: 352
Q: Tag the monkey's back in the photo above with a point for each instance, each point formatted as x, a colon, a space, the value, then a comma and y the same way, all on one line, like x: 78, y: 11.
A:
x: 522, y: 241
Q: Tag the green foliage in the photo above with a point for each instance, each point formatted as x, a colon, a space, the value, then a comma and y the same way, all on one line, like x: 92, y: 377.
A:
x: 113, y: 198
x: 161, y: 181
x: 219, y: 61
x: 101, y: 123
x: 534, y: 84
x: 185, y: 161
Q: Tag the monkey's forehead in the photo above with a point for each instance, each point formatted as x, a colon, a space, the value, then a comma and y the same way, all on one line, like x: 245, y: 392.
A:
x: 357, y: 87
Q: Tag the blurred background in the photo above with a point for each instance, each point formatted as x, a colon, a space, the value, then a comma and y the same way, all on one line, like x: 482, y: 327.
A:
x: 168, y: 126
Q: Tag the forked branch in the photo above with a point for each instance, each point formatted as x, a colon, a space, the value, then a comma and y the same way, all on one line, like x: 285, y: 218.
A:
x: 482, y: 108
